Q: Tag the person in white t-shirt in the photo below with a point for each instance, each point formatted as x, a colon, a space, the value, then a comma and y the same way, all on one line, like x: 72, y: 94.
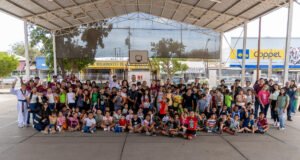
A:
x: 89, y: 124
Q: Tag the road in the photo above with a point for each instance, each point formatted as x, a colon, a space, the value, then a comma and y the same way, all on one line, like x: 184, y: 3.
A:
x: 28, y: 144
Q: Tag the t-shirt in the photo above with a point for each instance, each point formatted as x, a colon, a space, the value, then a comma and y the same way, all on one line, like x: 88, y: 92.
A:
x: 188, y: 100
x: 228, y: 100
x: 192, y: 123
x: 264, y: 96
x: 211, y: 122
x: 98, y: 118
x: 122, y: 122
x: 177, y: 100
x: 147, y: 123
x: 201, y: 105
x: 70, y: 97
x: 95, y: 98
x: 89, y: 122
x: 208, y: 99
x: 135, y: 122
x: 61, y: 120
x: 219, y: 99
x: 73, y: 122
x: 282, y: 101
x: 248, y: 123
x: 62, y: 98
x: 262, y: 122
x: 234, y: 124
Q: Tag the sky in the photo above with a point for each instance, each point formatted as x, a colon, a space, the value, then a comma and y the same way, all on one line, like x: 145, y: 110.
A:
x: 273, y: 25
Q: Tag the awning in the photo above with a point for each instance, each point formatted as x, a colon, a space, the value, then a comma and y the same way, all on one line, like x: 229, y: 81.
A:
x: 216, y: 15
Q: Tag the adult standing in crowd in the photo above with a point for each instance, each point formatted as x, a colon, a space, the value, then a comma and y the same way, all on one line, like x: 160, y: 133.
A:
x: 257, y: 87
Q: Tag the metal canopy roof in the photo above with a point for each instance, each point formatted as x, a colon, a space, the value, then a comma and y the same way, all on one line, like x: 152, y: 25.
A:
x: 216, y: 15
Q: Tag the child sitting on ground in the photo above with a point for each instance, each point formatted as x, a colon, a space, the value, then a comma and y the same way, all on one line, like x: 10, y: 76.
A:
x: 235, y: 125
x: 107, y: 123
x: 61, y: 122
x: 123, y: 123
x: 224, y: 123
x: 135, y: 124
x: 262, y: 123
x: 192, y: 126
x: 211, y: 124
x: 74, y: 122
x: 249, y: 123
x: 89, y: 124
x: 148, y: 126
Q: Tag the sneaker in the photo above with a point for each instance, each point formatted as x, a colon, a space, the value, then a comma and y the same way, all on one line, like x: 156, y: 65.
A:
x: 105, y: 129
x: 130, y: 131
x: 278, y: 124
x: 154, y: 135
x: 275, y: 124
x: 289, y: 119
x: 92, y: 131
x: 82, y: 131
x: 53, y: 131
x: 112, y: 129
x: 281, y: 128
x: 209, y: 131
x: 108, y: 128
x: 44, y: 132
x: 148, y: 134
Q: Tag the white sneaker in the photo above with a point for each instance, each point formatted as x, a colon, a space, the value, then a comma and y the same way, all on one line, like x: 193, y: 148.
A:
x: 275, y: 124
x: 82, y: 131
x: 148, y: 134
x: 209, y: 131
x: 105, y: 129
x: 108, y: 128
x: 281, y: 128
x: 92, y: 131
x: 278, y: 124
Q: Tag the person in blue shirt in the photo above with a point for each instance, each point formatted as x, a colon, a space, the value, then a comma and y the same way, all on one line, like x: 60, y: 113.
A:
x: 249, y: 123
x: 291, y: 93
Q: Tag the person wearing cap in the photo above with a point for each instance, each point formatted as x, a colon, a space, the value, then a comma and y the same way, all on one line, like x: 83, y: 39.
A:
x: 113, y: 82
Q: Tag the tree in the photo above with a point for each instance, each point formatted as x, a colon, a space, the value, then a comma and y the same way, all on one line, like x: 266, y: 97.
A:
x: 92, y: 34
x: 7, y: 64
x: 164, y: 52
x: 19, y: 49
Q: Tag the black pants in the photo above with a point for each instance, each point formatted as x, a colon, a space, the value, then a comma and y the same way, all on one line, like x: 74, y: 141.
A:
x: 274, y: 113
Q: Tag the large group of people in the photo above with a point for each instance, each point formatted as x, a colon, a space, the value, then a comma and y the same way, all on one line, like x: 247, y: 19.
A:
x: 162, y: 107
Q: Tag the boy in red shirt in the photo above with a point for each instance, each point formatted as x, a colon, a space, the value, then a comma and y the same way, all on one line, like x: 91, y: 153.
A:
x: 192, y: 126
x: 122, y: 123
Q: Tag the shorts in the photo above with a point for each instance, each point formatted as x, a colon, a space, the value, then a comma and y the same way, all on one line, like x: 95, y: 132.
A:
x: 51, y: 125
x: 260, y: 128
x: 190, y: 133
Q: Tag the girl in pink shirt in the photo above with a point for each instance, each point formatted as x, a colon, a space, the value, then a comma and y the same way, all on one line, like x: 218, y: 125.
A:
x: 263, y: 97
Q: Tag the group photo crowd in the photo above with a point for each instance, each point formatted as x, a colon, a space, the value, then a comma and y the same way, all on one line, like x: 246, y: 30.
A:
x: 160, y: 108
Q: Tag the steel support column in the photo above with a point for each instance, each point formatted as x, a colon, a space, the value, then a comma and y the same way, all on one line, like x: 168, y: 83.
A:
x: 221, y: 57
x: 244, y: 54
x: 54, y: 53
x: 26, y: 50
x: 288, y: 41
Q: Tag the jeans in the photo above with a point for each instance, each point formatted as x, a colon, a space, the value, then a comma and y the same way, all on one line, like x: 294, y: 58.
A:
x: 189, y: 108
x: 256, y: 104
x: 213, y: 130
x: 281, y: 116
x: 293, y: 106
x: 87, y: 129
x: 289, y: 109
x: 51, y: 106
x: 264, y: 109
x: 32, y: 107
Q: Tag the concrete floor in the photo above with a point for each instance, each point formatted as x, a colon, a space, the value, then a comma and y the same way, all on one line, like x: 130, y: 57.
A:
x: 27, y: 144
